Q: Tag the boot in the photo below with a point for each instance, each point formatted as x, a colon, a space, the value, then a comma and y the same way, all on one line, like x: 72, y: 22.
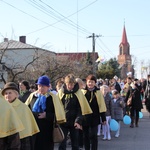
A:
x: 132, y: 122
x: 136, y: 122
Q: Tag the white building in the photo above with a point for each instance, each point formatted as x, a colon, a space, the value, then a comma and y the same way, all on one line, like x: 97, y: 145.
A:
x: 17, y: 54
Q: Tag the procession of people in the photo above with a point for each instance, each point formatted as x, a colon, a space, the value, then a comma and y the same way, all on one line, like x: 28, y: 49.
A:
x: 83, y: 108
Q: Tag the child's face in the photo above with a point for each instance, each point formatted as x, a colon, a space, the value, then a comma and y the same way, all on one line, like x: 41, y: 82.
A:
x: 70, y: 86
x: 112, y: 87
x: 105, y: 91
x: 90, y: 84
x: 116, y: 96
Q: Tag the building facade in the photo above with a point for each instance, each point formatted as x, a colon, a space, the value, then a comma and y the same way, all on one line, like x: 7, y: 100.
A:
x: 124, y: 57
x: 15, y: 55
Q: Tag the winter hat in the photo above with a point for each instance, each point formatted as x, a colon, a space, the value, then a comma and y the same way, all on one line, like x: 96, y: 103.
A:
x: 10, y: 85
x: 44, y: 80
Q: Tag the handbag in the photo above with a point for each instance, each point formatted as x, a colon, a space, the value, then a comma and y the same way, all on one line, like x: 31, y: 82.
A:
x: 129, y: 101
x: 58, y: 135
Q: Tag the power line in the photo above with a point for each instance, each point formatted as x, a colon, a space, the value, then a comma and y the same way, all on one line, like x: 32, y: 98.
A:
x: 106, y: 47
x: 38, y: 20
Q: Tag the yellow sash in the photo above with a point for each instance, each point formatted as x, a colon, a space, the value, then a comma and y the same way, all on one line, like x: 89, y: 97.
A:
x: 59, y: 110
x: 100, y: 100
x: 9, y: 120
x: 27, y: 119
x: 85, y: 108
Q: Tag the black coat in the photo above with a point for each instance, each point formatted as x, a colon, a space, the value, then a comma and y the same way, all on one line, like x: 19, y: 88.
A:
x: 24, y: 97
x: 136, y: 97
x: 117, y: 87
x: 147, y: 96
x: 44, y: 139
x: 71, y: 106
x: 94, y: 118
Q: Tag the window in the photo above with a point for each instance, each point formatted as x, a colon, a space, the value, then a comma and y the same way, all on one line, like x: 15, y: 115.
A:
x: 121, y: 52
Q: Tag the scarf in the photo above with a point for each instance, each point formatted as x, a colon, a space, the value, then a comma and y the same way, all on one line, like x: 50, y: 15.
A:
x: 100, y: 100
x: 59, y: 110
x: 22, y: 92
x: 85, y: 108
x: 40, y: 104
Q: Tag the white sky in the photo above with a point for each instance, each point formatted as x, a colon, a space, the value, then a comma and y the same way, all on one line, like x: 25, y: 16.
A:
x: 64, y: 25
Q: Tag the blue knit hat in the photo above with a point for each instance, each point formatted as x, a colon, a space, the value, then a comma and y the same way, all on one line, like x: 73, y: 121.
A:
x: 43, y: 80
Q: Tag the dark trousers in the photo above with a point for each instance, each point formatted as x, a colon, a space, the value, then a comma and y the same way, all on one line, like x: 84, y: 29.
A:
x: 73, y: 136
x: 26, y: 144
x: 80, y: 138
x: 134, y: 112
x: 11, y: 142
x: 90, y: 137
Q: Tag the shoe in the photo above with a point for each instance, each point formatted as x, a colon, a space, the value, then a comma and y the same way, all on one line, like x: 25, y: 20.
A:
x: 136, y: 125
x: 117, y: 135
x: 131, y: 126
x: 104, y: 138
x: 109, y: 139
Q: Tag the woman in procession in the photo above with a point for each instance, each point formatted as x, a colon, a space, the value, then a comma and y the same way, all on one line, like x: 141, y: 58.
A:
x: 90, y: 122
x: 10, y: 126
x: 46, y: 108
x: 11, y: 94
x: 75, y: 106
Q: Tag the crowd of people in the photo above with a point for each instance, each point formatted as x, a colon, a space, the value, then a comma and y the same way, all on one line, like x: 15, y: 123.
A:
x: 82, y: 107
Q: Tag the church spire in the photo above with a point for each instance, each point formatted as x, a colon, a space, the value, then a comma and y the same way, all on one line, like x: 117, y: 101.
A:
x: 124, y: 37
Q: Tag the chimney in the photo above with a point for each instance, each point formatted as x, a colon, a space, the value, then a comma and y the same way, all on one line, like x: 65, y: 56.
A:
x: 22, y: 39
x: 5, y: 39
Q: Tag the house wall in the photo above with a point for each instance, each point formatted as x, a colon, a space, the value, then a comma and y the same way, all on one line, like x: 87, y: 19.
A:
x: 21, y: 57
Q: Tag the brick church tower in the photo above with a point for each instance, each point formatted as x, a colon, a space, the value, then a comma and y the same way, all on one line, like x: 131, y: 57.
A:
x: 124, y: 57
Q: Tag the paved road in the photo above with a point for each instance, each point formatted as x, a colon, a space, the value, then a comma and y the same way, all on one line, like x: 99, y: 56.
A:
x: 130, y: 138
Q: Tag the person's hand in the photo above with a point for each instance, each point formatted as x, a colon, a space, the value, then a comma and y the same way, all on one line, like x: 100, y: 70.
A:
x: 78, y: 126
x: 42, y: 115
x: 104, y: 122
x: 121, y: 102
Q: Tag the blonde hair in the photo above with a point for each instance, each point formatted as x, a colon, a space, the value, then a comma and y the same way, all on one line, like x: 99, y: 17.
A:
x: 70, y: 78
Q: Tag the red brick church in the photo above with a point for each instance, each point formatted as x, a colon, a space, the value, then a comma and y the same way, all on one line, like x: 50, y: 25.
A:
x: 124, y: 57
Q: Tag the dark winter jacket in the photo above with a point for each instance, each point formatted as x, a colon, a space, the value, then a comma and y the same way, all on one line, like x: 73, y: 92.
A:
x: 117, y: 87
x: 117, y: 109
x: 147, y: 90
x: 136, y: 97
x: 44, y: 139
x: 94, y: 118
x: 24, y: 96
x: 71, y: 106
x: 108, y: 103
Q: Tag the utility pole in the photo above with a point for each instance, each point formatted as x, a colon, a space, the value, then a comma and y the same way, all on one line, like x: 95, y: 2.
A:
x: 93, y: 36
x: 142, y: 62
